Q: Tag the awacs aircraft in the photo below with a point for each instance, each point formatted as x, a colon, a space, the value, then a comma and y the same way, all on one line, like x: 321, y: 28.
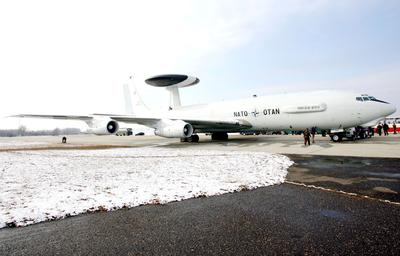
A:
x: 328, y: 110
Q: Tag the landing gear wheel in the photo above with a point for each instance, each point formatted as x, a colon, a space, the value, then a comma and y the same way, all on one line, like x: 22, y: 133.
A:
x: 336, y: 138
x: 219, y: 136
x: 193, y: 138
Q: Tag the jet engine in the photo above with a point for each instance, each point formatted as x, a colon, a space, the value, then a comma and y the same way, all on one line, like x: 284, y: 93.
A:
x: 104, y: 127
x: 174, y: 129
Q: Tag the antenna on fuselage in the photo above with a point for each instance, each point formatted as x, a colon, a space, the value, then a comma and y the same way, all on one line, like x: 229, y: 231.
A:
x: 172, y: 83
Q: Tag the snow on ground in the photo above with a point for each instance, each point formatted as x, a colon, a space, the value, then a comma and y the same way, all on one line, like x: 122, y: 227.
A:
x: 43, y: 185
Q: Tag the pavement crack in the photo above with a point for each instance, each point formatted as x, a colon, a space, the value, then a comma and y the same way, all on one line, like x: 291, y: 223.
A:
x: 343, y: 193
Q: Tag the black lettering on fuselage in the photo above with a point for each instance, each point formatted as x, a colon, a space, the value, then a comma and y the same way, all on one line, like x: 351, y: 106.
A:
x: 271, y: 111
x: 240, y: 113
x: 266, y: 112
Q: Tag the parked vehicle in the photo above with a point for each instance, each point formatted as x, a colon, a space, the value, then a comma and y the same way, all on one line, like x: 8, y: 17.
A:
x: 124, y: 132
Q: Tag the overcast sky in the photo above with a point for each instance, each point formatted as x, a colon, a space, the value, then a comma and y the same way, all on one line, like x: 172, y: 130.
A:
x: 72, y: 57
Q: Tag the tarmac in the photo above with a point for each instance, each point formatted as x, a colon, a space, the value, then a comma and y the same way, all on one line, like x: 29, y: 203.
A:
x: 338, y: 199
x: 384, y: 146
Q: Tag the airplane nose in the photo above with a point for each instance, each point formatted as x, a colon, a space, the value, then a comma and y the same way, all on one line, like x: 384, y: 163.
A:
x: 391, y: 109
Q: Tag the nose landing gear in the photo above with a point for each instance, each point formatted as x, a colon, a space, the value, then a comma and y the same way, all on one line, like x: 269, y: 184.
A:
x: 336, y: 137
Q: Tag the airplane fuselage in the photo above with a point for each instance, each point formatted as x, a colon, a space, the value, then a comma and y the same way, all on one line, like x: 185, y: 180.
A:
x: 329, y: 110
x: 297, y: 111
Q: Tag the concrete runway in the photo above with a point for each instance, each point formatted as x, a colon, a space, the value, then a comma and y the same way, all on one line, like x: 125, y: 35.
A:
x: 328, y: 205
x: 283, y: 144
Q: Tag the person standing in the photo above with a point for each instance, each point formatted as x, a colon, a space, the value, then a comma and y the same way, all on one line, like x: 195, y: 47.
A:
x: 394, y: 128
x: 379, y: 129
x: 386, y: 129
x: 356, y: 134
x: 306, y: 135
x: 370, y: 131
x: 313, y: 132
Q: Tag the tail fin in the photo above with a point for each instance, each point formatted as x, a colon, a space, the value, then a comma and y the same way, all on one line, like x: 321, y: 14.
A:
x: 128, y: 100
x: 134, y: 105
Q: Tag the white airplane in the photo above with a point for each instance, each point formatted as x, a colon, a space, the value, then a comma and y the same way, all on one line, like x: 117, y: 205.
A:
x: 327, y: 110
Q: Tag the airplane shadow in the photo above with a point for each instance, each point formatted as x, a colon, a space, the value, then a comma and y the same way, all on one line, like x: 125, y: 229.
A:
x: 248, y: 141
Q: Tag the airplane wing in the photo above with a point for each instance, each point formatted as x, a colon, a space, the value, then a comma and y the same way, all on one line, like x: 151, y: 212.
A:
x: 60, y: 117
x: 200, y: 125
x: 219, y: 125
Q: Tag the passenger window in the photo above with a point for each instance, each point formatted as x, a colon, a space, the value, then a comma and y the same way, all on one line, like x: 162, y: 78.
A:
x: 365, y: 98
x: 359, y: 99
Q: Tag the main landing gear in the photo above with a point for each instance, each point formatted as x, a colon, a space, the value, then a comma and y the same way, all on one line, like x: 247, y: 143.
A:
x: 219, y: 136
x: 193, y: 138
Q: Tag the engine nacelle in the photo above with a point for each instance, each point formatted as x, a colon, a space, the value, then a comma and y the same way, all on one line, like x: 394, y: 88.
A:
x: 174, y: 129
x: 105, y: 127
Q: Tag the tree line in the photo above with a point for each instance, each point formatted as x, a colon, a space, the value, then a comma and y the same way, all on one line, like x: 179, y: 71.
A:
x: 23, y: 131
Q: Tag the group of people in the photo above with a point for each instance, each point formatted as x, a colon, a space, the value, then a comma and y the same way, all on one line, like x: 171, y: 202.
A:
x: 309, y: 133
x: 385, y: 128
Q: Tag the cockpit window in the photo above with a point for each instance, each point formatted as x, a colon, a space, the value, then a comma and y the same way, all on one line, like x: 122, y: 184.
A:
x: 372, y: 98
x: 366, y: 97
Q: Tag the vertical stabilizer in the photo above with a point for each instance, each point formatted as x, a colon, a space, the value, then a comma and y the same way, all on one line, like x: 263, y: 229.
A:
x: 134, y: 104
x: 128, y: 100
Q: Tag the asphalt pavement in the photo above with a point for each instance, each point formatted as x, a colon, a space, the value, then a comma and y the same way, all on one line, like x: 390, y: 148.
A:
x: 330, y: 206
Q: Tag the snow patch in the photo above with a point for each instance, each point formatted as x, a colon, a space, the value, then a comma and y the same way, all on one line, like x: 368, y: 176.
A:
x: 44, y: 185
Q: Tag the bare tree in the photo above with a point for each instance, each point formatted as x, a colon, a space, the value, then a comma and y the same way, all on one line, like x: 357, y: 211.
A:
x: 21, y: 130
x: 56, y: 132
